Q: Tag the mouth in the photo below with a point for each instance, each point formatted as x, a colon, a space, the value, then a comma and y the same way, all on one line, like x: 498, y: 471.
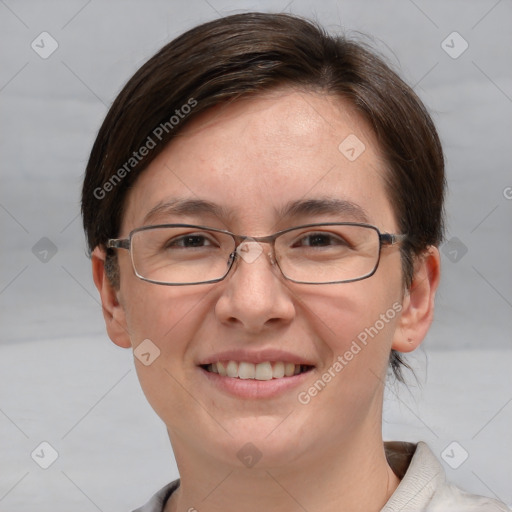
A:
x: 264, y: 371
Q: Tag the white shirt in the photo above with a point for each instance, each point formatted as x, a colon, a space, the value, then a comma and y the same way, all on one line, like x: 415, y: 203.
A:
x: 423, y: 486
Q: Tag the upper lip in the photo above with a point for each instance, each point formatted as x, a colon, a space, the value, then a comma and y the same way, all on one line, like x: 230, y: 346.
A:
x: 255, y: 357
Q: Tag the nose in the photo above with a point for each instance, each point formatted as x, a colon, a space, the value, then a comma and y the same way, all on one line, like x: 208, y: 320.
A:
x: 255, y: 296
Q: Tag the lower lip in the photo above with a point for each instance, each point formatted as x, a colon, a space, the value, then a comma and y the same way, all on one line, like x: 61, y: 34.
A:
x: 252, y: 388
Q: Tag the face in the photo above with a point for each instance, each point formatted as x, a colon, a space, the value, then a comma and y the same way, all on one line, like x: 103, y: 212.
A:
x: 253, y: 159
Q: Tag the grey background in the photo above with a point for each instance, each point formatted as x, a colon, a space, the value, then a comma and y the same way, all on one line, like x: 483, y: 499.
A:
x: 62, y: 381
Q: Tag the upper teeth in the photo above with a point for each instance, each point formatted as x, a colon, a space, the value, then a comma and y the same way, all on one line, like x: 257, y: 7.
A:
x: 260, y: 371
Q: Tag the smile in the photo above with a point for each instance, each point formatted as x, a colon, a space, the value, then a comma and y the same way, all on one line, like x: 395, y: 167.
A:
x: 261, y: 371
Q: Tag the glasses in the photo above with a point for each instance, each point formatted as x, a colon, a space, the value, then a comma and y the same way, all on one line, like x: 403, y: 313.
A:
x: 185, y: 254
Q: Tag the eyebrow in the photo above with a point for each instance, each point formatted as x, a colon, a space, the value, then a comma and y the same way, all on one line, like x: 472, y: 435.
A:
x: 184, y: 207
x: 326, y: 206
x: 299, y: 208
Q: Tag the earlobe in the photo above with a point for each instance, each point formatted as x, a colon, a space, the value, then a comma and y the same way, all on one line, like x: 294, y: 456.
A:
x: 418, y: 304
x: 113, y: 311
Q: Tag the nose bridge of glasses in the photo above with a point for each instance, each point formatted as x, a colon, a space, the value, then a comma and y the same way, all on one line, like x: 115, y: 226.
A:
x: 250, y: 248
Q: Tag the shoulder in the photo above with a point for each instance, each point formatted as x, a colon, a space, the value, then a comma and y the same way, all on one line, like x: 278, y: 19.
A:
x: 423, y: 486
x: 158, y: 500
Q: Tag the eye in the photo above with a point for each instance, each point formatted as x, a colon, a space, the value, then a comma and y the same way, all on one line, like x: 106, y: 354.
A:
x: 189, y: 241
x: 320, y: 240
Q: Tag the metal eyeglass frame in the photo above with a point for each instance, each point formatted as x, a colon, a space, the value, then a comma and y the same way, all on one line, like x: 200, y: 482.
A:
x: 385, y: 239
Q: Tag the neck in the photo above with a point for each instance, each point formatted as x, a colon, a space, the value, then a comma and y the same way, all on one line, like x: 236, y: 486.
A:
x: 353, y: 476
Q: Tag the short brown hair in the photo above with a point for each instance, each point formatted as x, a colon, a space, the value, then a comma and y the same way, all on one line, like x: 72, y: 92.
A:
x: 250, y: 53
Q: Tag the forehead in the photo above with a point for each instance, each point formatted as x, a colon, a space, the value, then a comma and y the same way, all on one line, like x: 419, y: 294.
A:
x: 254, y: 156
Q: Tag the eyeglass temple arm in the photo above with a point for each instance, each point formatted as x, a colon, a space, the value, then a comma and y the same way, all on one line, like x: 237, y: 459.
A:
x: 391, y: 239
x: 118, y: 243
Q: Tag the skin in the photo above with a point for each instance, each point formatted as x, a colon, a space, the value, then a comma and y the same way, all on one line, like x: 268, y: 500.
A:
x: 252, y: 157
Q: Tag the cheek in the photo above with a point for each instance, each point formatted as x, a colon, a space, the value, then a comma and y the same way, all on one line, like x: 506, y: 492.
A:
x: 355, y: 332
x: 355, y: 321
x: 153, y: 311
x: 166, y: 315
x: 170, y: 318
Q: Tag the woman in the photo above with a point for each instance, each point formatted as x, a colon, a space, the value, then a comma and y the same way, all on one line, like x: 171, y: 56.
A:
x: 263, y: 204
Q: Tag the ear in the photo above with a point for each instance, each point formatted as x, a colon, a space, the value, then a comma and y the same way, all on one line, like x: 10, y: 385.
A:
x: 418, y: 304
x: 113, y: 311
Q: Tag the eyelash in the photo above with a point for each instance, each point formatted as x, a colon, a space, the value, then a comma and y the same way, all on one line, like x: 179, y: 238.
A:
x: 330, y: 236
